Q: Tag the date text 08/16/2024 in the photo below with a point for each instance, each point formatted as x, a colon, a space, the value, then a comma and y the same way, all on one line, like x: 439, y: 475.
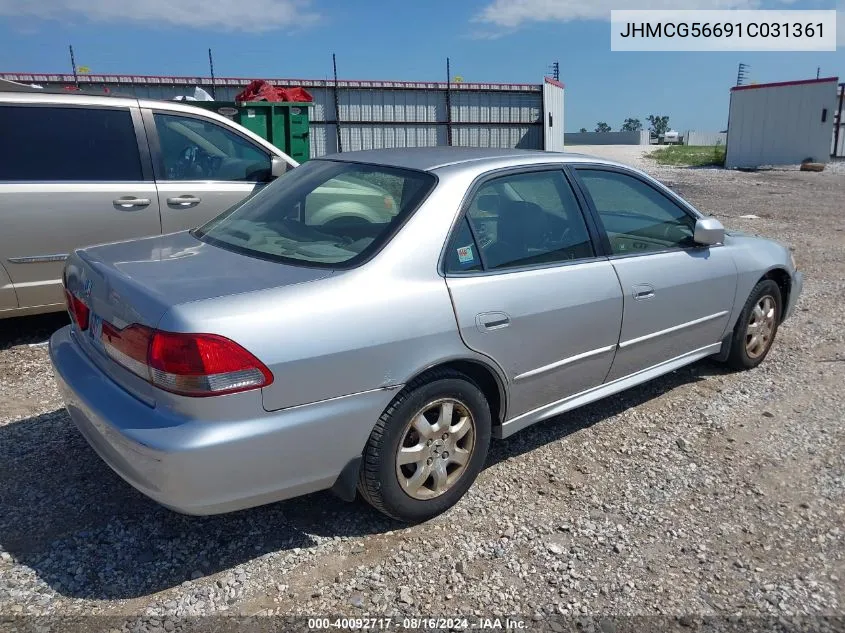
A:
x: 452, y: 624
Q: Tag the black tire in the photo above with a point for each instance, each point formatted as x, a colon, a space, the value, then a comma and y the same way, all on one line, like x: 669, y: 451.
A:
x: 378, y: 481
x: 739, y: 357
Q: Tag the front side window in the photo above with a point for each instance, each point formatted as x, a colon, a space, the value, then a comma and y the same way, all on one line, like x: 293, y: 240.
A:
x: 196, y: 149
x: 636, y: 217
x: 329, y: 213
x: 53, y: 144
x: 529, y: 218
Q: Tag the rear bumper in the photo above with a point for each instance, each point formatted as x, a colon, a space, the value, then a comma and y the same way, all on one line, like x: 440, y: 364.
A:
x: 200, y: 467
x: 795, y: 290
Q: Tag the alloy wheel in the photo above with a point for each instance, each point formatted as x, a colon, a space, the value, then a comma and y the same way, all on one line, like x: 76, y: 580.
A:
x: 761, y: 327
x: 437, y: 445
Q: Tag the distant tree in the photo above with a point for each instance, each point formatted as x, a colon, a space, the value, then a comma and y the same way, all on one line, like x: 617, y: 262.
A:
x: 582, y: 130
x: 601, y: 126
x: 658, y: 124
x: 632, y: 125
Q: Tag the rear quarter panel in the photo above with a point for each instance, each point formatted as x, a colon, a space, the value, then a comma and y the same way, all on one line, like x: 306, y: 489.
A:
x: 346, y: 334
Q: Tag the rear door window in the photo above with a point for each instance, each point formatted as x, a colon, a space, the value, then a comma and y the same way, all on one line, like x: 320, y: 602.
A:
x: 462, y: 254
x: 58, y: 144
x: 527, y: 219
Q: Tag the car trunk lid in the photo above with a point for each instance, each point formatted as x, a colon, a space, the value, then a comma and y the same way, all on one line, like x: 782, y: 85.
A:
x: 138, y: 281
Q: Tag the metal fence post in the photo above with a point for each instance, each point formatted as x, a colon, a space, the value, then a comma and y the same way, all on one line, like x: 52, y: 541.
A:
x: 448, y: 103
x: 336, y: 106
x: 838, y: 122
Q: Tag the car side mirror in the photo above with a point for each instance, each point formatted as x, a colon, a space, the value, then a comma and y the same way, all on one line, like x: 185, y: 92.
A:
x: 277, y: 167
x: 708, y: 231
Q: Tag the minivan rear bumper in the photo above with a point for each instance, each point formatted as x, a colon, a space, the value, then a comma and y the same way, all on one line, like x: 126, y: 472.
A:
x: 203, y: 467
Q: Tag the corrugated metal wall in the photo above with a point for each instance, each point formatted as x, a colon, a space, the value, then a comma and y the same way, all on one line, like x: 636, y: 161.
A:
x: 693, y: 137
x: 373, y: 114
x: 377, y: 118
x: 837, y: 144
x: 553, y: 138
x: 781, y: 124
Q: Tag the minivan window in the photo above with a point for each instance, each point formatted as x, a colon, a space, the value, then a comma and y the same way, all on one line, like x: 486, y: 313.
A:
x: 197, y: 149
x: 323, y: 213
x: 49, y: 144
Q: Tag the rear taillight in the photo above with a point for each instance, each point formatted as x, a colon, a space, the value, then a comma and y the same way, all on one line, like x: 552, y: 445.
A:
x: 204, y: 364
x: 78, y: 311
x: 130, y: 347
x: 186, y: 364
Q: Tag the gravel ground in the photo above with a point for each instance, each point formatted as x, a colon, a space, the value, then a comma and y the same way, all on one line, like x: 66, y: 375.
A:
x: 703, y: 493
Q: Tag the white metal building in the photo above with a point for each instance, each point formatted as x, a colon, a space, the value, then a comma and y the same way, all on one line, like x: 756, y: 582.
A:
x: 781, y: 123
x: 353, y: 115
x: 698, y: 138
x: 553, y: 116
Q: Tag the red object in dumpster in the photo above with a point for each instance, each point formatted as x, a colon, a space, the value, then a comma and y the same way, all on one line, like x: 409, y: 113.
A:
x: 296, y: 94
x: 260, y: 90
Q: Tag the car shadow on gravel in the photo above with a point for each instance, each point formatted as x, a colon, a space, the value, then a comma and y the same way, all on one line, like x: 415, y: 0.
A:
x: 584, y: 417
x: 88, y: 534
x: 31, y: 330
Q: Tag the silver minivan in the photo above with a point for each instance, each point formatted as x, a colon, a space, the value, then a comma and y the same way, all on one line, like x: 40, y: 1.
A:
x: 80, y: 169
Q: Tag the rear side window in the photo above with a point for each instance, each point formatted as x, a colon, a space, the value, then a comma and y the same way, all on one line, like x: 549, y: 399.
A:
x: 49, y: 144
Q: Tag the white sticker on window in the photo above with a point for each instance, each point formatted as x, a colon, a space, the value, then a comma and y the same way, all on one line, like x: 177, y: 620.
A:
x: 465, y: 254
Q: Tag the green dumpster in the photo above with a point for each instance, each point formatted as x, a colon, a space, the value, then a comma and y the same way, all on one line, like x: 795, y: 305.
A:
x: 284, y: 124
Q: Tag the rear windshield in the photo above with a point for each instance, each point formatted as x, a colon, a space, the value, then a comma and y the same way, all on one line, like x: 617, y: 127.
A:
x: 324, y: 213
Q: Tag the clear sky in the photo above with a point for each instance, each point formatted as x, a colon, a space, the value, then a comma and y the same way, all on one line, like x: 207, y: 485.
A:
x: 487, y: 40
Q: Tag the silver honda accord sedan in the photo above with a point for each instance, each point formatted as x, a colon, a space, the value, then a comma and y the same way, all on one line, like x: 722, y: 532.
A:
x: 261, y: 356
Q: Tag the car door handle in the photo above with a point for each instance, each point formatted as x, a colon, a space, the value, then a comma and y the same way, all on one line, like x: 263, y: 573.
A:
x: 183, y: 201
x: 492, y: 321
x: 643, y: 291
x: 130, y: 202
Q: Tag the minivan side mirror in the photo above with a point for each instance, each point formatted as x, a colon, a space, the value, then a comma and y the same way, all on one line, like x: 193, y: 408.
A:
x: 708, y: 231
x: 277, y: 167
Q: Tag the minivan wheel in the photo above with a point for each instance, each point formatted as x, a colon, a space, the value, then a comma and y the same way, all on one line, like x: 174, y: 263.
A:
x: 756, y: 327
x: 427, y: 448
